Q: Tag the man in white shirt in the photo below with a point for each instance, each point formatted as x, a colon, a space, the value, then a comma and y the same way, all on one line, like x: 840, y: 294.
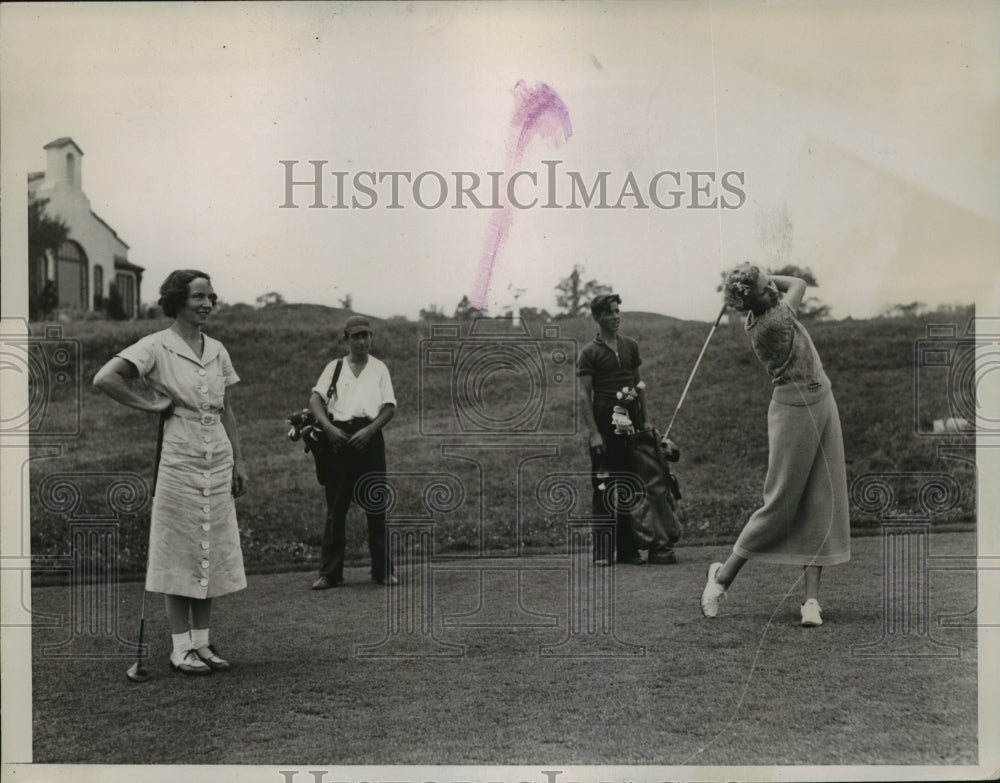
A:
x: 352, y: 401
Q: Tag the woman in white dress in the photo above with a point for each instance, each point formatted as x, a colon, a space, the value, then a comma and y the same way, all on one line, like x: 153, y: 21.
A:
x: 194, y: 544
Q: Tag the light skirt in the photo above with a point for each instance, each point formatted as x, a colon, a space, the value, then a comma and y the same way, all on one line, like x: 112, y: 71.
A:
x: 805, y: 518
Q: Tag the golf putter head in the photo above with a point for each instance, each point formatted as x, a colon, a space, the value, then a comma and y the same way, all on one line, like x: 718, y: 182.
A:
x: 137, y: 673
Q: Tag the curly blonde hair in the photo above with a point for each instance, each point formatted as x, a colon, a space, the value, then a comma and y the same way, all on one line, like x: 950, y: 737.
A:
x: 739, y: 283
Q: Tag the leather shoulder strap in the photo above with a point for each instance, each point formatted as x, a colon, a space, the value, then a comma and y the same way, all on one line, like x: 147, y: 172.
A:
x: 332, y: 391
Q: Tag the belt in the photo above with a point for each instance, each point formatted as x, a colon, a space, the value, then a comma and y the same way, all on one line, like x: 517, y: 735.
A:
x: 205, y: 417
x: 357, y: 422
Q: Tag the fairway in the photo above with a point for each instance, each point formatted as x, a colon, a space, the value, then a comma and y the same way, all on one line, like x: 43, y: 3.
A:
x: 316, y: 679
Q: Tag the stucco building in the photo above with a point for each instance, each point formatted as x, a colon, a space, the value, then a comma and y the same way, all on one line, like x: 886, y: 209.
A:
x: 91, y: 268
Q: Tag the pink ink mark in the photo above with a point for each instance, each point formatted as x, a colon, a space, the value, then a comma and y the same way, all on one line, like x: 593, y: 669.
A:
x: 538, y: 114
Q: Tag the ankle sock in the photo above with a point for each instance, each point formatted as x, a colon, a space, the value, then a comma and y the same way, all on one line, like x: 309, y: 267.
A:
x: 199, y: 638
x: 182, y: 642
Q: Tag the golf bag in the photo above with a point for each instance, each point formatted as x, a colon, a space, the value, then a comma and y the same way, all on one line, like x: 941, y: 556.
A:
x: 654, y: 519
x: 305, y: 428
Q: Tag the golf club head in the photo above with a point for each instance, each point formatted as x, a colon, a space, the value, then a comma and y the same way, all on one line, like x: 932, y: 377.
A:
x: 137, y: 673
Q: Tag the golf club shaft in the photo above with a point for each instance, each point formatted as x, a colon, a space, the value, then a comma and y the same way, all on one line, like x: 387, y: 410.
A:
x: 164, y: 415
x: 142, y: 605
x: 693, y: 371
x: 136, y: 672
x: 142, y: 620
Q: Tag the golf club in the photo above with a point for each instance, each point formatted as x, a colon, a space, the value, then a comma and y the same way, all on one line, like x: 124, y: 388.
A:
x: 687, y: 386
x: 137, y: 672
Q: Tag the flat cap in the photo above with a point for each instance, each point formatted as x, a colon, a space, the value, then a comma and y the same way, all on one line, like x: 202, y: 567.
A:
x: 356, y: 323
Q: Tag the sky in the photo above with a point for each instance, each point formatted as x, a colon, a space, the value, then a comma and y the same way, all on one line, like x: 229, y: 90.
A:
x: 872, y: 131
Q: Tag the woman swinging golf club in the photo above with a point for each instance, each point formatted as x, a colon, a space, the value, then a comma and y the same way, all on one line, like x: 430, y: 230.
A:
x: 194, y: 544
x: 804, y: 520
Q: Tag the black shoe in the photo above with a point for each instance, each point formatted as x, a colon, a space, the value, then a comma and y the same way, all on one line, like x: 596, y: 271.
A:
x: 389, y: 581
x: 634, y: 560
x: 325, y: 583
x: 665, y: 558
x: 211, y: 656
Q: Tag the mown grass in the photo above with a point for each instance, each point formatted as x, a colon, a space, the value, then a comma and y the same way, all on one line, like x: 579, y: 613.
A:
x: 750, y: 687
x: 279, y: 352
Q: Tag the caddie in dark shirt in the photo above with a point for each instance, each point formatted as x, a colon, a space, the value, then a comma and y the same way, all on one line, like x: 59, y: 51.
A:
x: 607, y: 365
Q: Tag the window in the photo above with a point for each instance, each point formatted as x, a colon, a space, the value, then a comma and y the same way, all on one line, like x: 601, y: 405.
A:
x: 126, y: 287
x: 98, y: 287
x: 71, y: 276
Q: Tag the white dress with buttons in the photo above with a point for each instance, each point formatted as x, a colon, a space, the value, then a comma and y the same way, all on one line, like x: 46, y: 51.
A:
x: 194, y: 541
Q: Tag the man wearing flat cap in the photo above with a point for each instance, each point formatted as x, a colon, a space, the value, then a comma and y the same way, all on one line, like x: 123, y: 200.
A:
x: 352, y: 401
x: 608, y: 369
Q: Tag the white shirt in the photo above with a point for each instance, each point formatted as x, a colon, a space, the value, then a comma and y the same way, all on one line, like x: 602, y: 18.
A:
x: 363, y: 396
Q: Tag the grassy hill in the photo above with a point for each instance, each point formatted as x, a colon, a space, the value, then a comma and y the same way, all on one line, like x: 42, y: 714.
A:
x: 524, y: 418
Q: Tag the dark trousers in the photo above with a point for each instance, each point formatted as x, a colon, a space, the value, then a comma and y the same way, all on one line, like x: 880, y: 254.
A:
x: 615, y: 459
x: 346, y: 469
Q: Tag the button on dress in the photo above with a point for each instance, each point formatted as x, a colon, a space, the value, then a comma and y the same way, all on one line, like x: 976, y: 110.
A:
x: 194, y: 542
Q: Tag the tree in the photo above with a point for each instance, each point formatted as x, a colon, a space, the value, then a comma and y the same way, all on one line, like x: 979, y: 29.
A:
x: 464, y: 311
x: 814, y: 309
x: 45, y: 302
x: 575, y: 296
x: 534, y: 314
x: 811, y: 306
x: 45, y: 235
x: 774, y: 233
x: 270, y: 298
x: 901, y: 310
x: 791, y: 270
x: 432, y: 313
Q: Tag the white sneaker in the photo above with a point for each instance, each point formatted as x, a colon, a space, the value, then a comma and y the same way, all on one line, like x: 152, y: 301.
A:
x: 811, y: 613
x: 712, y: 593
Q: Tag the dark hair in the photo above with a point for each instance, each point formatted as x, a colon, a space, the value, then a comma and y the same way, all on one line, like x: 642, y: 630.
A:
x: 601, y: 303
x: 174, y: 291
